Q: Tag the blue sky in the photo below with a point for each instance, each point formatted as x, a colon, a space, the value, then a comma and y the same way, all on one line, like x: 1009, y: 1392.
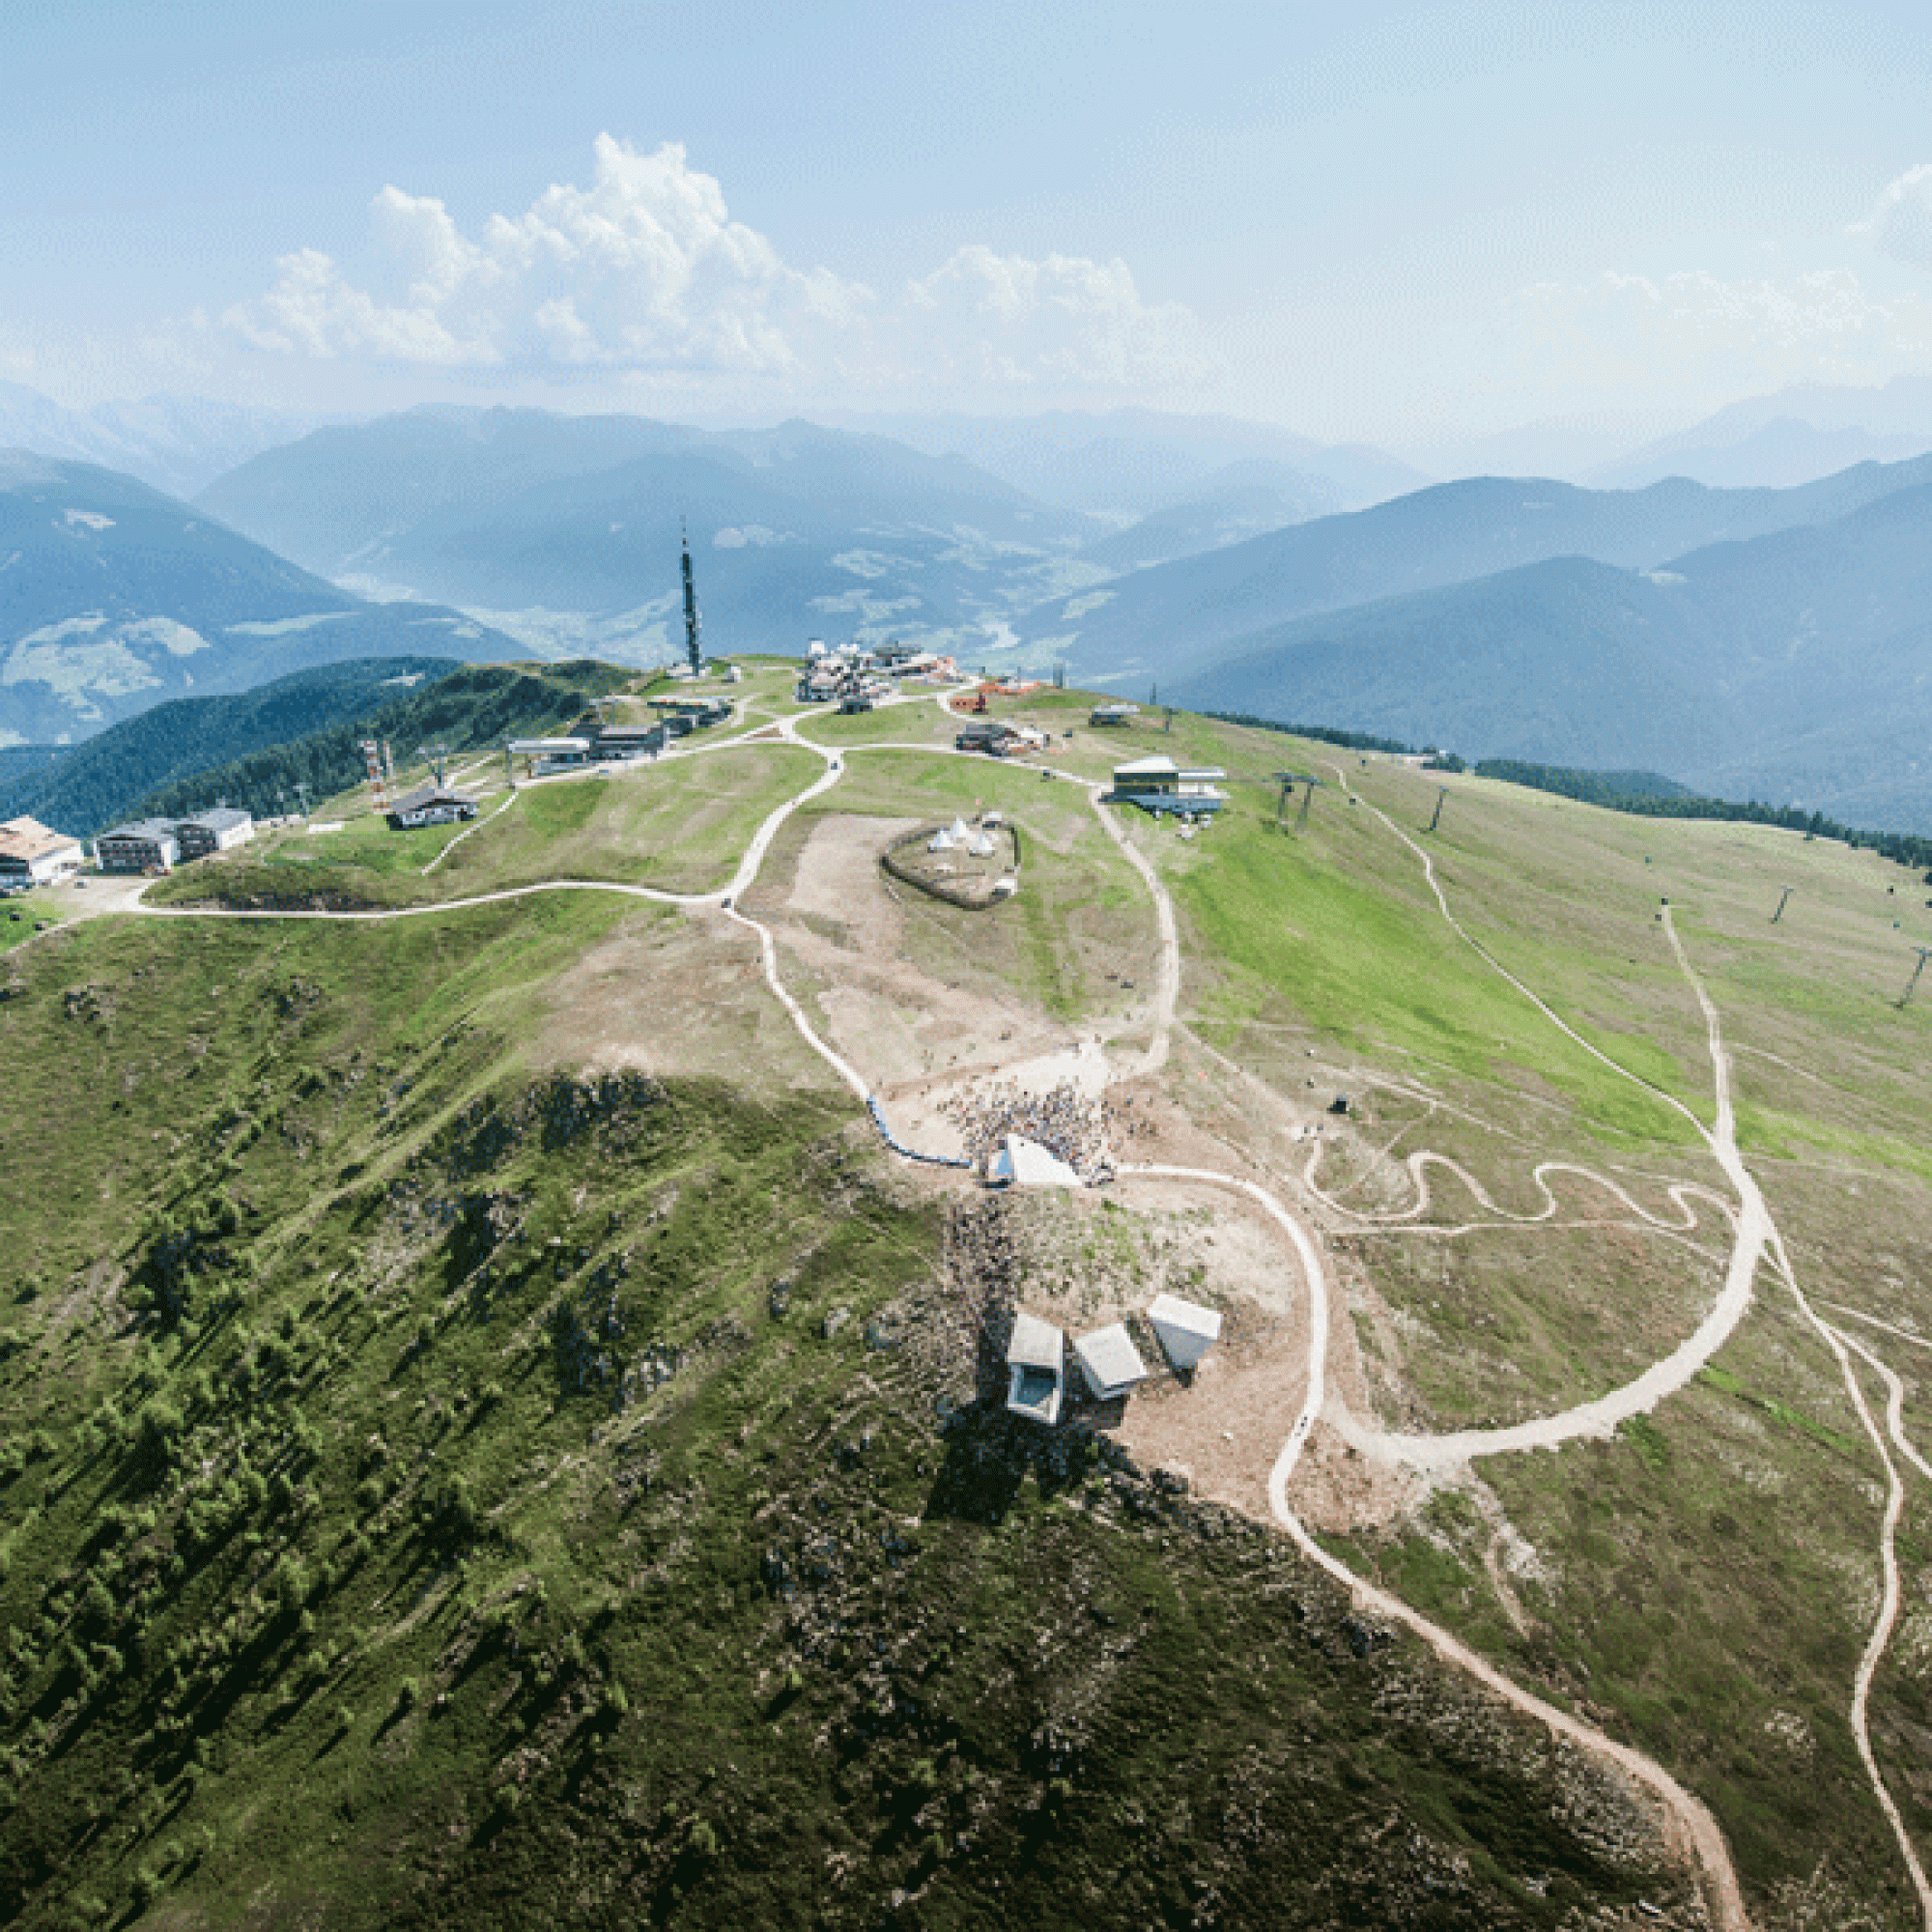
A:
x: 1375, y: 226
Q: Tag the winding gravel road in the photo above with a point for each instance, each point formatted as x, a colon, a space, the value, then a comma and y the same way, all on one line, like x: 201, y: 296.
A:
x: 1696, y: 1831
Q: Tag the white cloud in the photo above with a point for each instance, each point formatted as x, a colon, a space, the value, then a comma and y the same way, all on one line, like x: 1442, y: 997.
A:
x: 1901, y: 224
x: 644, y: 274
x: 1007, y: 320
x: 1694, y: 334
x: 644, y: 267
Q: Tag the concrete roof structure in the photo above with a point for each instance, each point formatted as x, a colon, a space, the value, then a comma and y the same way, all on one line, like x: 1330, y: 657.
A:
x: 154, y: 829
x: 1186, y: 1330
x: 1036, y: 1343
x: 1036, y: 1362
x: 1110, y: 1361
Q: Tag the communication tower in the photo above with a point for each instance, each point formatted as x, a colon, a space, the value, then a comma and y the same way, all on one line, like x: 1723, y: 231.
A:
x: 693, y: 651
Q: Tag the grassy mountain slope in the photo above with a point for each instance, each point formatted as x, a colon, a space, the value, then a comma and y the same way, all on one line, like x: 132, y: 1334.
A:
x: 445, y: 1488
x: 539, y: 1462
x: 91, y: 785
x: 1707, y: 1578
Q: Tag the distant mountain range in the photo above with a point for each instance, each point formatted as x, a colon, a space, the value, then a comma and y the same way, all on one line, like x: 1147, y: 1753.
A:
x: 1779, y: 455
x: 1739, y: 638
x: 797, y: 531
x: 175, y: 443
x: 1138, y: 461
x: 1172, y: 621
x: 114, y: 597
x: 1793, y: 666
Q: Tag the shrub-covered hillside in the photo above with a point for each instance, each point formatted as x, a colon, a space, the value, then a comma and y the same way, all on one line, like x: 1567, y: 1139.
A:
x: 446, y: 1489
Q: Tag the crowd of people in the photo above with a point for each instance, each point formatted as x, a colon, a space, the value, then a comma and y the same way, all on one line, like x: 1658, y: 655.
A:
x: 1066, y: 1123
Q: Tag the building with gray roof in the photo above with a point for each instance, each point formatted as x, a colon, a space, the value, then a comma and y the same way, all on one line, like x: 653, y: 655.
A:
x: 1036, y: 1366
x: 146, y: 845
x: 218, y: 831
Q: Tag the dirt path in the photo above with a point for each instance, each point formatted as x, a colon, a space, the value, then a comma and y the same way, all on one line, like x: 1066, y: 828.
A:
x: 1753, y: 1231
x: 1417, y: 1165
x: 1843, y: 1347
x: 1696, y: 1831
x: 1167, y: 985
x: 1756, y: 1236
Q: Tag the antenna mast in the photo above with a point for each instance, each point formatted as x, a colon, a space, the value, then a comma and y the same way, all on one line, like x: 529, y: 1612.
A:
x: 693, y: 654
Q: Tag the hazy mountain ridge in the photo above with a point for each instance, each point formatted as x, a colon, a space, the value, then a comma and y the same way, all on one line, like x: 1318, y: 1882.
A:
x: 796, y: 530
x: 114, y: 597
x: 1141, y: 462
x: 1532, y: 664
x: 176, y: 443
x: 1173, y: 619
x: 1795, y: 666
x: 1790, y: 437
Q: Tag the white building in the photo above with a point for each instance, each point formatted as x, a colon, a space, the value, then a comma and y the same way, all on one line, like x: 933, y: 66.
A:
x: 1024, y: 1163
x: 1157, y: 784
x: 1036, y: 1364
x: 221, y: 829
x: 1110, y: 1362
x: 1186, y: 1330
x: 31, y: 851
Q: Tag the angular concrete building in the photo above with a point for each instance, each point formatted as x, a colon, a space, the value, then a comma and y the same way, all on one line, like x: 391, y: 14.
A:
x: 1186, y: 1330
x: 1036, y: 1364
x: 1110, y: 1362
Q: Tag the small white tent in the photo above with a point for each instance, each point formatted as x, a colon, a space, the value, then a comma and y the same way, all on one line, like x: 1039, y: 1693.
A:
x: 941, y: 841
x: 1025, y: 1163
x: 1186, y: 1330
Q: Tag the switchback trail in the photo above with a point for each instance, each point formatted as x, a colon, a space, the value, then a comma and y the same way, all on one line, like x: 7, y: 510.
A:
x: 1696, y: 1831
x: 1756, y: 1236
x: 1753, y: 1230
